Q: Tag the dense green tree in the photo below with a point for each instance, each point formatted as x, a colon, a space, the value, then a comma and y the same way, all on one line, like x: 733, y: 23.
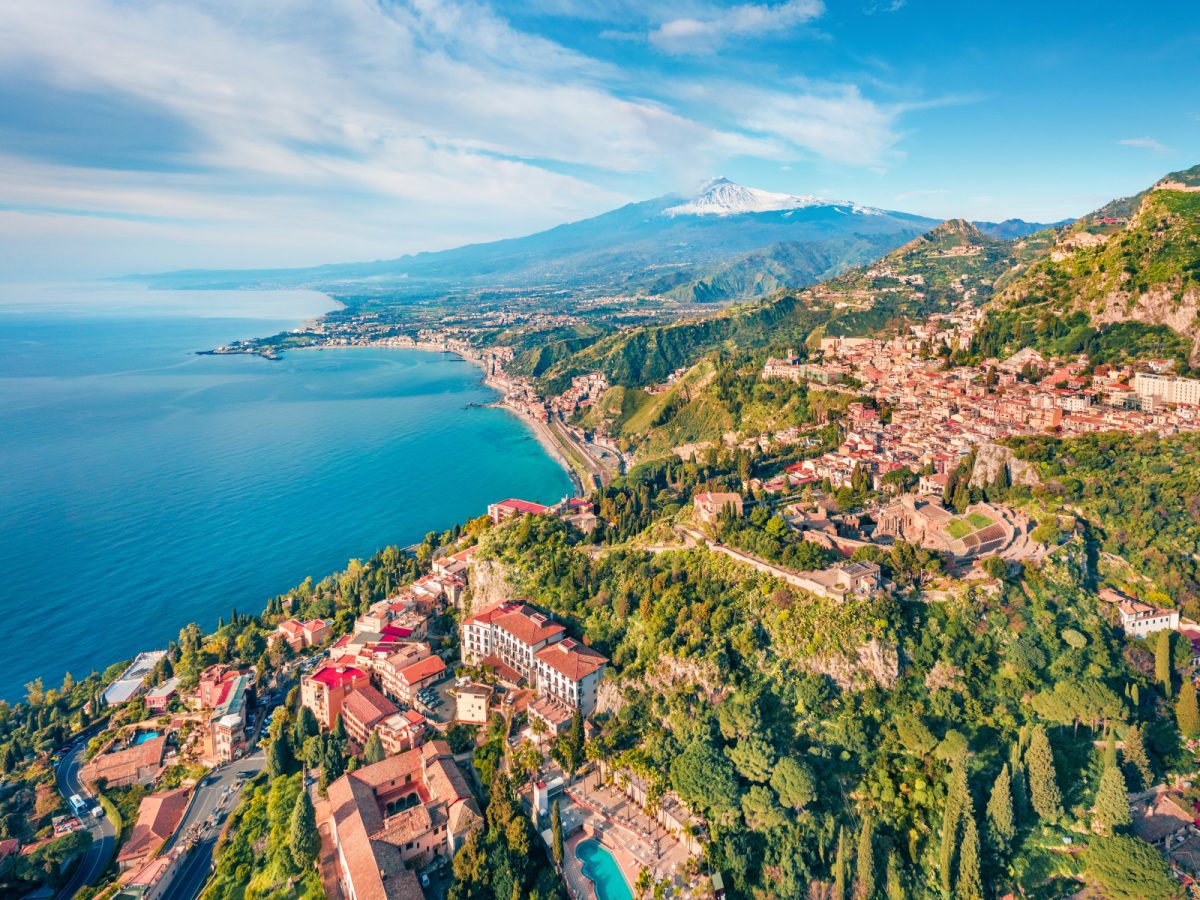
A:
x: 841, y: 866
x: 1162, y: 662
x: 279, y: 759
x: 305, y: 840
x: 1134, y: 753
x: 895, y: 878
x: 556, y: 834
x: 1044, y: 792
x: 1001, y: 824
x: 373, y: 751
x: 958, y: 801
x: 1112, y: 801
x: 969, y: 884
x: 793, y: 782
x: 864, y: 874
x: 702, y: 775
x: 1187, y: 714
x: 1127, y: 868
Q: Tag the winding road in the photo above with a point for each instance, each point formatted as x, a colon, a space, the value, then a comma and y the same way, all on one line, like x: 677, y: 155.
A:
x: 104, y: 834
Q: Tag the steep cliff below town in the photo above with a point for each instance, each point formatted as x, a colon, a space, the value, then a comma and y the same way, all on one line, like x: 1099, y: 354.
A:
x: 992, y: 459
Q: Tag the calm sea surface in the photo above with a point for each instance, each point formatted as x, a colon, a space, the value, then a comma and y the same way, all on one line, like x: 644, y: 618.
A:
x: 143, y: 487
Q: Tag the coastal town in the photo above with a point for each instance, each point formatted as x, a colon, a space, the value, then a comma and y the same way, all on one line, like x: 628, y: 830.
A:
x: 422, y: 678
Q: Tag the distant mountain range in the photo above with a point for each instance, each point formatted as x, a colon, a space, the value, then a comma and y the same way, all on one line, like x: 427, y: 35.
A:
x: 722, y: 243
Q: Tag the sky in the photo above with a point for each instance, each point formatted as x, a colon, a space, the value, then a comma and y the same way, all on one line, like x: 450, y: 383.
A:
x: 148, y: 135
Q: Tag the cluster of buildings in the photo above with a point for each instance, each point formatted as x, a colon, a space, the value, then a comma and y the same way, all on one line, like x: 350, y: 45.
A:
x: 391, y: 818
x: 939, y: 414
x: 522, y: 645
x: 572, y: 510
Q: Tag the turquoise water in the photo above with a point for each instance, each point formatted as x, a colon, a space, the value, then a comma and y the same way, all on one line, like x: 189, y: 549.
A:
x: 144, y: 736
x: 143, y: 486
x: 601, y: 867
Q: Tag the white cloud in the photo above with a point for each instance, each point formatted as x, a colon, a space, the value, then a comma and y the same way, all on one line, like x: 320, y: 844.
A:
x: 1145, y: 143
x: 316, y: 127
x: 709, y: 28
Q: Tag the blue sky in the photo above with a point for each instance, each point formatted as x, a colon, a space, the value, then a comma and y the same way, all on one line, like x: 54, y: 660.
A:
x: 141, y: 136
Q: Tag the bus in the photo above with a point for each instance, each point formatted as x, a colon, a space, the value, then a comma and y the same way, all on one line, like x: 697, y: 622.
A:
x: 77, y: 804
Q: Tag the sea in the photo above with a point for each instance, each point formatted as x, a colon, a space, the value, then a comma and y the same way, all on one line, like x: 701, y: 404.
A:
x: 144, y: 486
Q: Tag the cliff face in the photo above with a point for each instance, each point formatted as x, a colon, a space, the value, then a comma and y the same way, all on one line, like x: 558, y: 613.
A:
x: 874, y: 661
x: 1161, y: 304
x: 989, y: 460
x: 488, y: 584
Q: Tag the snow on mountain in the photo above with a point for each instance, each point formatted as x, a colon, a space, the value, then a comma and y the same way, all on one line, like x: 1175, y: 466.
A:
x: 722, y: 197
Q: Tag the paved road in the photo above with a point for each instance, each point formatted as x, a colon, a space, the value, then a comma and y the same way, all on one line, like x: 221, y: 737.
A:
x: 216, y: 797
x: 104, y: 835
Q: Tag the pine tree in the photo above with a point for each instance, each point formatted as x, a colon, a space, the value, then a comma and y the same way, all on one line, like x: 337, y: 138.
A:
x: 841, y: 866
x: 864, y: 877
x: 373, y: 751
x: 895, y: 878
x: 969, y: 885
x: 556, y: 844
x: 1135, y: 755
x: 1000, y: 822
x: 1043, y: 784
x: 1110, y: 749
x: 1162, y: 662
x: 305, y: 839
x: 1187, y: 715
x: 1112, y: 801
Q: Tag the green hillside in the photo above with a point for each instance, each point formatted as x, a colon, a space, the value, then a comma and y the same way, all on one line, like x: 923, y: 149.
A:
x: 1132, y: 268
x: 951, y: 263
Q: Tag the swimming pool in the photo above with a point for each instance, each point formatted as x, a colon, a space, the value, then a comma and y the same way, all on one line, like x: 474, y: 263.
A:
x: 601, y: 867
x: 144, y: 736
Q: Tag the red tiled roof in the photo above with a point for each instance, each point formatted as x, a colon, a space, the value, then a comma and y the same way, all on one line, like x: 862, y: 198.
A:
x: 572, y: 659
x: 158, y: 817
x: 367, y: 705
x: 331, y: 677
x: 523, y: 506
x: 527, y: 625
x: 422, y: 669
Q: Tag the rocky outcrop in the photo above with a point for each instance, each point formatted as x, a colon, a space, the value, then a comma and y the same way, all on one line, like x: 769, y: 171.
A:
x: 988, y: 462
x: 489, y: 584
x: 1161, y: 304
x: 874, y: 660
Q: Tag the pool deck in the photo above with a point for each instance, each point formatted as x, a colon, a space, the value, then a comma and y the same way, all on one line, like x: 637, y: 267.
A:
x: 634, y: 839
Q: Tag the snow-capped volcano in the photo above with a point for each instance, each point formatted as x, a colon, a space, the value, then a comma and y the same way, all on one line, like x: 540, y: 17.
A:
x: 722, y: 197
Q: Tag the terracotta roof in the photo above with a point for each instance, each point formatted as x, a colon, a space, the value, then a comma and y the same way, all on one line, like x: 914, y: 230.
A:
x: 572, y: 659
x: 125, y: 763
x: 502, y: 669
x: 523, y: 506
x: 367, y: 705
x: 158, y: 817
x: 528, y: 625
x: 422, y: 669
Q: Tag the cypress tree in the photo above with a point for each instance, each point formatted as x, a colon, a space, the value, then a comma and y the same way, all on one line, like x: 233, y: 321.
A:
x: 373, y: 751
x: 841, y: 866
x: 1110, y: 749
x: 1020, y: 796
x: 864, y: 877
x: 1043, y: 784
x: 556, y: 844
x: 895, y: 878
x: 305, y: 839
x: 1112, y: 801
x: 278, y: 757
x: 1187, y: 715
x: 1135, y: 755
x: 969, y: 885
x: 1000, y: 822
x: 1162, y: 662
x: 957, y: 798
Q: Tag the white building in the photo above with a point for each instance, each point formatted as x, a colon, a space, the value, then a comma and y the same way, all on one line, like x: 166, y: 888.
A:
x: 1152, y: 389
